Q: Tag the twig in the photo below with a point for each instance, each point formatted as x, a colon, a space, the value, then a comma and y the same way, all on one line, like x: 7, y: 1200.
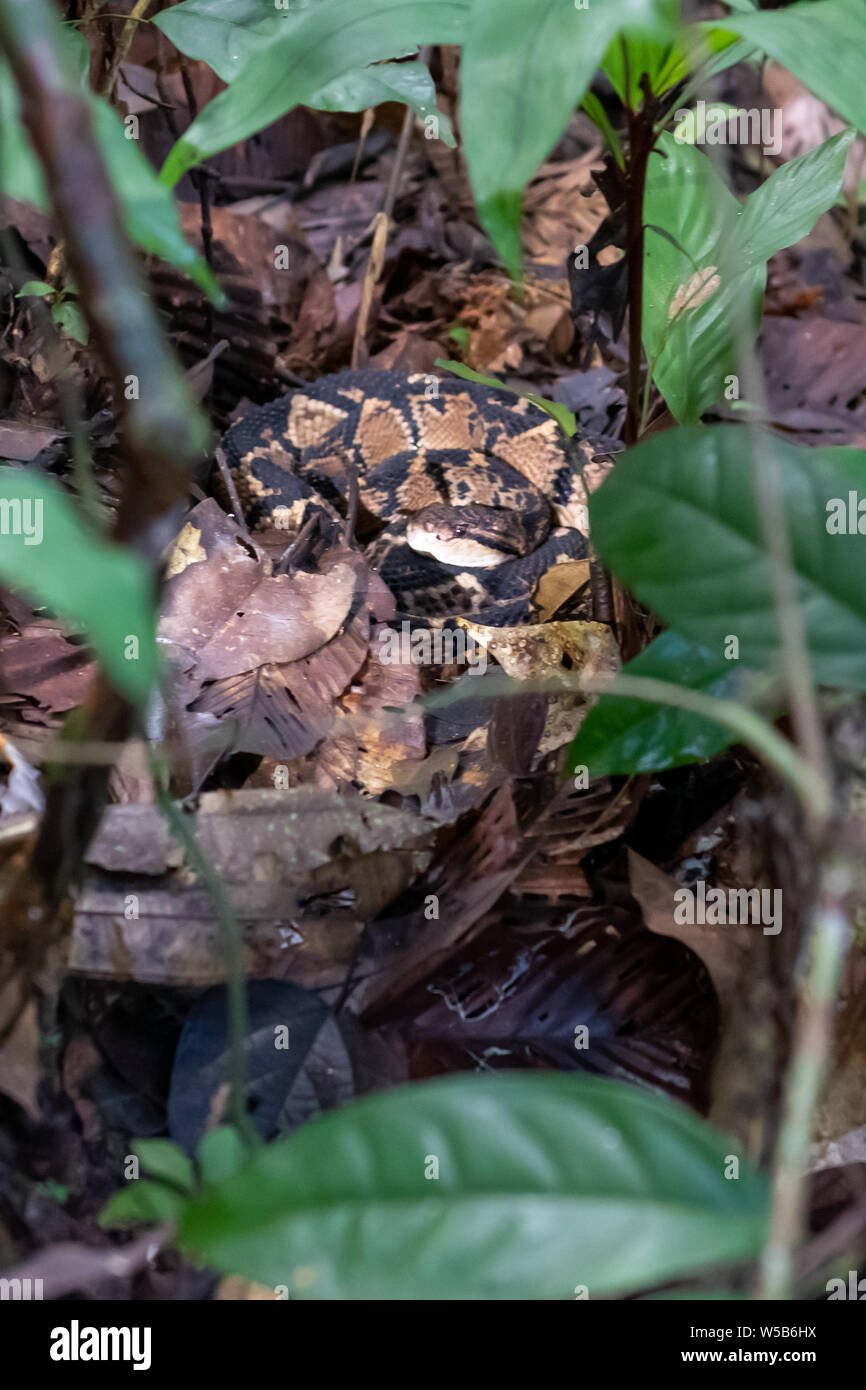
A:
x: 232, y: 941
x: 372, y: 272
x: 830, y: 939
x: 127, y: 34
x: 402, y: 147
x: 164, y: 435
x: 74, y: 1268
x: 229, y: 485
x: 748, y: 726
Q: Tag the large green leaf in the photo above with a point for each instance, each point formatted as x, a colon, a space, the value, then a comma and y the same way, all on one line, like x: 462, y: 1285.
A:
x: 820, y: 41
x: 407, y: 82
x: 229, y: 35
x: 786, y: 207
x: 696, y: 289
x: 544, y: 1182
x: 677, y: 521
x: 148, y: 207
x: 664, y: 62
x: 525, y: 68
x: 316, y: 45
x: 226, y: 34
x: 89, y: 583
x: 706, y: 253
x: 625, y: 736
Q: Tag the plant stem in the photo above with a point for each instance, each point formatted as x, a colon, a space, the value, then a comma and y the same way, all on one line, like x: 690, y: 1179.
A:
x: 238, y: 1013
x: 640, y: 143
x: 830, y: 937
x: 747, y: 726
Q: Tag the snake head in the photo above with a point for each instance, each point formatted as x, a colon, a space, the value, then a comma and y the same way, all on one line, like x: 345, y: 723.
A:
x: 474, y: 536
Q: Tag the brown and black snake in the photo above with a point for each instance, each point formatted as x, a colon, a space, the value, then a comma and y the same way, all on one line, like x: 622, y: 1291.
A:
x: 467, y: 495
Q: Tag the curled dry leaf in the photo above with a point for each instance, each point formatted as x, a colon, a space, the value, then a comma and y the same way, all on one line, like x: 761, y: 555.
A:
x: 270, y: 652
x: 721, y: 948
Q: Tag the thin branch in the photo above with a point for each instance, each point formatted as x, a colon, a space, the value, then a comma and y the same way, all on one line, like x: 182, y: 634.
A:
x: 831, y: 936
x: 124, y: 43
x: 747, y: 726
x: 163, y: 435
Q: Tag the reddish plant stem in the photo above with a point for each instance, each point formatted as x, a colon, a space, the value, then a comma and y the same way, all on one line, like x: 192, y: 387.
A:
x: 640, y: 143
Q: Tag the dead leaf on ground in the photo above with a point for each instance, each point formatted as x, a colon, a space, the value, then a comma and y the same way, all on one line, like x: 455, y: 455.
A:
x: 303, y: 869
x: 721, y: 948
x: 548, y: 651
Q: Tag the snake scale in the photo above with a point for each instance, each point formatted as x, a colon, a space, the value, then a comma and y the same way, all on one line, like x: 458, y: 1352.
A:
x: 467, y: 495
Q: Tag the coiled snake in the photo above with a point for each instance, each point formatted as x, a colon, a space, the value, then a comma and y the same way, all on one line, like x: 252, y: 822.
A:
x: 467, y: 495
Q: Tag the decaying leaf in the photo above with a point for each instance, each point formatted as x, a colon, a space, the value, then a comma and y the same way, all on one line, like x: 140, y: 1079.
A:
x: 547, y: 651
x: 721, y: 948
x: 691, y: 294
x: 303, y: 869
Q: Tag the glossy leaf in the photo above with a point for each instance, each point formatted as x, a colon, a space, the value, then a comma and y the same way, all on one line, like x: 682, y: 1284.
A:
x: 785, y: 208
x: 625, y: 736
x: 525, y: 68
x: 410, y: 83
x: 544, y: 1182
x: 229, y: 35
x: 705, y: 260
x: 677, y: 521
x: 820, y: 42
x: 316, y: 46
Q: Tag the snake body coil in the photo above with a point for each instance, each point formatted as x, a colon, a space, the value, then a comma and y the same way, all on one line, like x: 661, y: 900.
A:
x: 467, y: 494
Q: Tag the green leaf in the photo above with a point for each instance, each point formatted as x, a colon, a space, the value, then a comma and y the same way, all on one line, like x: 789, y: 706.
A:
x: 316, y: 46
x: 39, y: 288
x: 226, y: 34
x: 230, y: 36
x: 664, y: 63
x: 600, y: 119
x: 820, y: 41
x: 147, y: 1203
x: 91, y: 584
x: 410, y: 83
x: 71, y: 321
x: 163, y: 1160
x: 149, y: 209
x: 559, y: 412
x: 702, y: 291
x: 544, y: 1182
x: 625, y: 736
x: 525, y: 67
x: 786, y: 207
x: 698, y: 291
x: 678, y: 523
x: 220, y: 1154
